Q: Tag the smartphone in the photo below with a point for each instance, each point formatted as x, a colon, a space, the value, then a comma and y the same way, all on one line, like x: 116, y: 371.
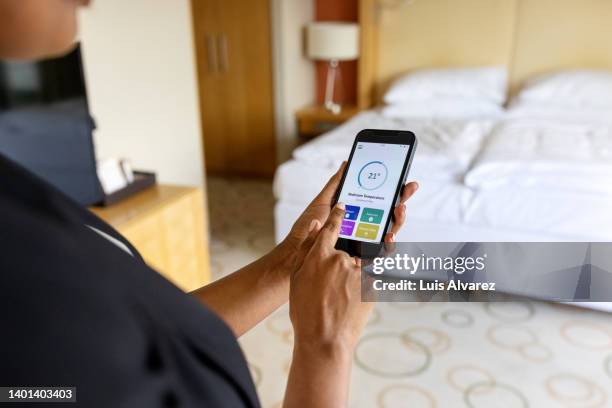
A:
x: 371, y: 187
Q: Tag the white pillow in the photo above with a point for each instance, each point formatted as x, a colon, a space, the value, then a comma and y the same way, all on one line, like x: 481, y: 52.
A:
x: 538, y: 110
x: 576, y: 89
x: 483, y: 83
x: 444, y: 108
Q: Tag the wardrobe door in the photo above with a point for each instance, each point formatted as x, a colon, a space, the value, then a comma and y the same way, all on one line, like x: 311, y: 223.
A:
x: 233, y: 44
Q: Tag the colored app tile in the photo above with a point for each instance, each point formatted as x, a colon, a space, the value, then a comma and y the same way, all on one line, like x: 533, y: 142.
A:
x: 347, y: 227
x: 351, y: 212
x: 367, y: 231
x: 372, y: 215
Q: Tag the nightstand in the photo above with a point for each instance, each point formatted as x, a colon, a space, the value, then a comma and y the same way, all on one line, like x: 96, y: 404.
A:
x: 314, y: 120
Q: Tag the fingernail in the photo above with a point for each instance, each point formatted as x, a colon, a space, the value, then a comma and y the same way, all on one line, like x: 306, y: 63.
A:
x: 403, y: 207
x: 340, y: 205
x: 393, y: 237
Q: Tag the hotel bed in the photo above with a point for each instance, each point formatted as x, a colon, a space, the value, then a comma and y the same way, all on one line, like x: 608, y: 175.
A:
x: 440, y: 160
x: 521, y: 176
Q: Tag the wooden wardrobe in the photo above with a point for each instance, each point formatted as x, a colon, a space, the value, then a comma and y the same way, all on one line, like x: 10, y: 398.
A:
x: 234, y: 58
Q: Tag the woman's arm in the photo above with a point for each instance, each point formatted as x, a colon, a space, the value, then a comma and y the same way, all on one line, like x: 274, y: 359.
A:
x: 319, y: 377
x: 327, y: 316
x: 247, y: 296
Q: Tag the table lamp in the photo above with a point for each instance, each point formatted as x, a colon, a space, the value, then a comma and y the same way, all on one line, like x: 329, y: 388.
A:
x: 332, y: 42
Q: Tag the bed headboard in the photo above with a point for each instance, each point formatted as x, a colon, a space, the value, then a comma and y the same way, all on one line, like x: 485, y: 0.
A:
x: 527, y: 36
x: 561, y: 34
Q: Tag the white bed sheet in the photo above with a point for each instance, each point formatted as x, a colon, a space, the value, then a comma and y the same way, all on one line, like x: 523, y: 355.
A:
x: 297, y: 183
x: 446, y: 147
x: 564, y: 215
x: 547, y: 148
x: 424, y: 230
x: 450, y: 211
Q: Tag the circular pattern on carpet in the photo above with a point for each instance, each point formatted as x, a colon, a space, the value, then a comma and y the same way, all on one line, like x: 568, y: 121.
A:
x: 587, y: 335
x: 510, y: 311
x: 538, y: 353
x: 375, y: 317
x: 488, y: 395
x: 463, y: 376
x: 511, y: 337
x: 575, y: 391
x: 435, y: 340
x: 379, y: 354
x: 397, y: 395
x: 280, y: 324
x: 408, y: 305
x: 457, y: 318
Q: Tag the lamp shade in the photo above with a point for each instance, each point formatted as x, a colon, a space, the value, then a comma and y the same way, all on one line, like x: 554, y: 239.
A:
x: 332, y: 41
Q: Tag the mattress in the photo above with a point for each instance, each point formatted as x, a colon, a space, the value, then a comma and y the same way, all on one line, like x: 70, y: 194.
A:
x: 431, y: 230
x: 566, y: 216
x: 455, y: 214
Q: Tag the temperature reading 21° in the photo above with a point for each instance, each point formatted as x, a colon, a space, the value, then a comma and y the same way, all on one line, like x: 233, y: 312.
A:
x: 372, y: 175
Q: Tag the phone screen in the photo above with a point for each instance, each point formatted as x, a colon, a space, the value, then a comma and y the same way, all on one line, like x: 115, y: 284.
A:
x: 369, y: 189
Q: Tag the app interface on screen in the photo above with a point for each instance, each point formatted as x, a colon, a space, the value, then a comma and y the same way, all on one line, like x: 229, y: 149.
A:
x: 369, y: 189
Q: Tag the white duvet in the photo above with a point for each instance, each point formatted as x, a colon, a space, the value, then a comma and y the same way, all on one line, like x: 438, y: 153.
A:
x: 445, y: 147
x: 547, y: 149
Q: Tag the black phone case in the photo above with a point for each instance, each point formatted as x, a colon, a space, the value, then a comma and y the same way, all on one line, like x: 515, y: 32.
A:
x: 368, y: 250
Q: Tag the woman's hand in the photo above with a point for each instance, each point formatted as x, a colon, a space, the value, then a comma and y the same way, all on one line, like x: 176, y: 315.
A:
x: 327, y: 316
x: 318, y: 210
x: 325, y: 304
x: 247, y: 296
x: 325, y: 292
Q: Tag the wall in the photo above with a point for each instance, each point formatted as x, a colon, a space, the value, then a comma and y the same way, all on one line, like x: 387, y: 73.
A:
x: 141, y: 80
x: 294, y: 75
x: 337, y: 10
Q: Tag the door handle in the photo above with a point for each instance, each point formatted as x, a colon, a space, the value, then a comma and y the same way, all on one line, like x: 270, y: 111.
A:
x: 211, y: 53
x: 223, y: 55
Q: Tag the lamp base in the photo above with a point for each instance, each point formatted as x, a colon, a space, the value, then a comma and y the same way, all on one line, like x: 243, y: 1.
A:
x: 329, y: 104
x: 333, y: 107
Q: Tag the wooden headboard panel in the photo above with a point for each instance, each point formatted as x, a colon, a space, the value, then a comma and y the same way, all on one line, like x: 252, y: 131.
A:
x: 553, y: 35
x: 398, y: 36
x: 527, y: 36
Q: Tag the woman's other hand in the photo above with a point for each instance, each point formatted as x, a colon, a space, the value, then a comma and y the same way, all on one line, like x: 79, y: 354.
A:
x: 327, y: 316
x: 325, y: 292
x: 320, y: 207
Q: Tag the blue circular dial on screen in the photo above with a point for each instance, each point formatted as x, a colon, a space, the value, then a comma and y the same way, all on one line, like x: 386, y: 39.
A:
x: 372, y: 175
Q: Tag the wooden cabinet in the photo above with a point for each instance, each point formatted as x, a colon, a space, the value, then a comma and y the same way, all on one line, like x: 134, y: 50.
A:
x: 233, y: 49
x: 167, y: 226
